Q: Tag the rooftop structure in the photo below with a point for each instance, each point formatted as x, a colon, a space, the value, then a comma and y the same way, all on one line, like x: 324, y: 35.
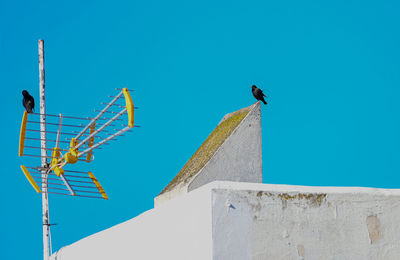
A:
x: 232, y: 152
x: 212, y: 211
x: 243, y: 221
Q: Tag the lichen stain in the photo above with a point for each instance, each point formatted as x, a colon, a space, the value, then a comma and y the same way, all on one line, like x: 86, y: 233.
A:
x: 313, y: 199
x: 265, y: 193
x: 374, y: 228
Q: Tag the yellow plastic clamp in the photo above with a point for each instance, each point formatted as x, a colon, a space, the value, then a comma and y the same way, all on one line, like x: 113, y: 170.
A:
x: 72, y: 155
x: 55, y: 157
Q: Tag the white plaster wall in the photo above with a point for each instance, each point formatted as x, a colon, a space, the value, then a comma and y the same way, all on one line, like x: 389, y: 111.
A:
x: 179, y: 229
x: 253, y: 221
x: 240, y: 221
x: 239, y: 158
x: 178, y: 190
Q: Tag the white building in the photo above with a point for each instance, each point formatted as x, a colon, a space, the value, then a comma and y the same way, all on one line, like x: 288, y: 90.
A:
x: 217, y: 208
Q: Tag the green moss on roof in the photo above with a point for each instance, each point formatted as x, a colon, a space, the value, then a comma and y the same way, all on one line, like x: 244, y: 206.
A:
x: 208, y: 148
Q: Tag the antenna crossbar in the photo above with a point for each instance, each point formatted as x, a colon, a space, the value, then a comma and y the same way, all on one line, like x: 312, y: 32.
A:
x: 60, y: 184
x: 103, y: 141
x: 67, y: 184
x: 55, y: 179
x: 77, y: 195
x: 99, y: 115
x: 71, y: 117
x: 46, y: 123
x: 99, y: 130
x: 39, y: 139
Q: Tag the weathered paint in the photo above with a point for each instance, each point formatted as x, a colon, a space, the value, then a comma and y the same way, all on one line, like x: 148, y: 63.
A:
x: 374, y: 228
x: 43, y: 145
x: 294, y: 222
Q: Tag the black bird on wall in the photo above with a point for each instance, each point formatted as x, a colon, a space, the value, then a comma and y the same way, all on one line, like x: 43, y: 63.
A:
x: 28, y: 102
x: 258, y: 94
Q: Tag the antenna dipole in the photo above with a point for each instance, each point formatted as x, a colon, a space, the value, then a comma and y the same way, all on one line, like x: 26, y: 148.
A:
x: 45, y: 198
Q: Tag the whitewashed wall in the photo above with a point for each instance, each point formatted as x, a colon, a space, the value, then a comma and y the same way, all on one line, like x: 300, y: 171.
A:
x: 178, y: 230
x: 239, y: 221
x: 261, y: 221
x: 239, y: 158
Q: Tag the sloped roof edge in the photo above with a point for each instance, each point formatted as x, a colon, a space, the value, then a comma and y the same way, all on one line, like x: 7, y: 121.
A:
x: 209, y: 147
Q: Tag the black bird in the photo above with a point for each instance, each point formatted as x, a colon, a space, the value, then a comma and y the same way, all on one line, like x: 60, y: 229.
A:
x: 28, y: 102
x: 258, y: 94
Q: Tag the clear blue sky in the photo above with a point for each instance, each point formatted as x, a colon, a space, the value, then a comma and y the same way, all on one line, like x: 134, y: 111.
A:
x: 330, y: 70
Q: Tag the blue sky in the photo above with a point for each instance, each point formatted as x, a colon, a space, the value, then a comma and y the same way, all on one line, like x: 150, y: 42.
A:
x: 330, y: 70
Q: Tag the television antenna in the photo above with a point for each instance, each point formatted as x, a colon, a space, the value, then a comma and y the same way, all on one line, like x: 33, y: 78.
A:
x: 83, y: 135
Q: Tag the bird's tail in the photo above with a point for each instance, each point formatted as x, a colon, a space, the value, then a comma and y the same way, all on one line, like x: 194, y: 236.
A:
x: 265, y: 102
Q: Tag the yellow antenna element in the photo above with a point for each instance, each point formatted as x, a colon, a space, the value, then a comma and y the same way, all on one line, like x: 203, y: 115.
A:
x: 129, y: 107
x: 30, y: 179
x: 72, y: 155
x: 58, y: 171
x: 73, y: 143
x: 91, y: 142
x: 96, y: 182
x: 22, y: 134
x: 90, y: 134
x: 55, y: 157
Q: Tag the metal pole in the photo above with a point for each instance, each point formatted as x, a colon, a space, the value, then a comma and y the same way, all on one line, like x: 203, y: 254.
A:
x: 45, y: 199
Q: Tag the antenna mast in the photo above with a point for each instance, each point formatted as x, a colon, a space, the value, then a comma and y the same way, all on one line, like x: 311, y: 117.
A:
x: 45, y: 198
x: 94, y: 134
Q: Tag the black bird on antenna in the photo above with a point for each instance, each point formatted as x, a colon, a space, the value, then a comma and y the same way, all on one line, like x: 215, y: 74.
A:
x: 28, y: 102
x: 258, y: 94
